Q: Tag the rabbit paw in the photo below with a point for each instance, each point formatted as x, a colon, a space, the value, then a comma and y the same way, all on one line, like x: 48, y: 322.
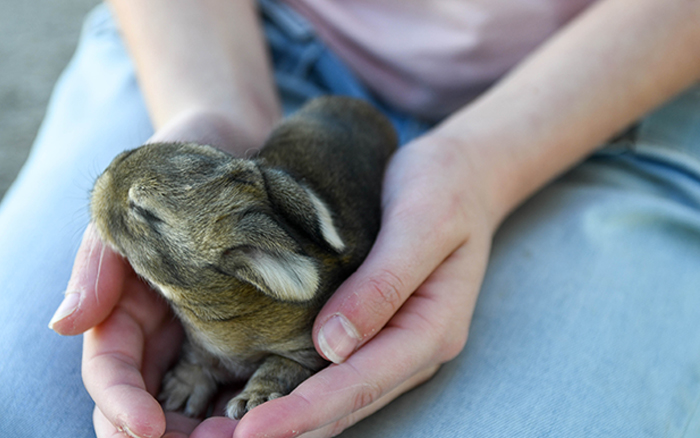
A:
x: 247, y: 400
x: 188, y: 387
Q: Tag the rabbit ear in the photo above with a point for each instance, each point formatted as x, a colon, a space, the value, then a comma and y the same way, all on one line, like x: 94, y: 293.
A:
x: 285, y: 275
x: 301, y: 207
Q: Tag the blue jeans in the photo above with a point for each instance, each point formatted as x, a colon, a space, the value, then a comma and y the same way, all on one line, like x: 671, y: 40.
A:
x: 588, y: 322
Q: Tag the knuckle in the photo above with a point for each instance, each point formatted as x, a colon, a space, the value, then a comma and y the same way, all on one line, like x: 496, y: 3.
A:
x: 365, y: 392
x: 383, y: 293
x: 446, y: 334
x: 452, y: 343
x: 366, y: 395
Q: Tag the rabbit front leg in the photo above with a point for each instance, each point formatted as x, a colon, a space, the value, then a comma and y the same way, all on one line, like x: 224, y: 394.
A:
x: 277, y: 376
x: 190, y: 385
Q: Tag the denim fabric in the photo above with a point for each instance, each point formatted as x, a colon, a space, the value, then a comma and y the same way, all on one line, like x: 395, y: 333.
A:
x: 587, y: 323
x: 305, y: 68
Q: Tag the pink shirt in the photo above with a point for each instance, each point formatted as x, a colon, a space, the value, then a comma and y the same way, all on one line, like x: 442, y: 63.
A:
x: 430, y: 57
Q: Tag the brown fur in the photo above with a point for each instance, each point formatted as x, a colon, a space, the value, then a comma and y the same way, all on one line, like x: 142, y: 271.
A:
x: 241, y: 249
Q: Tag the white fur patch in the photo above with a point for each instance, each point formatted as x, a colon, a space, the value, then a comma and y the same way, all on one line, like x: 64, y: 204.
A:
x: 166, y: 291
x: 330, y: 233
x: 289, y: 277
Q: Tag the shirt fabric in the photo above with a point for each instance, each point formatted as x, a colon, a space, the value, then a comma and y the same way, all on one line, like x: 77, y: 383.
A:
x: 430, y: 57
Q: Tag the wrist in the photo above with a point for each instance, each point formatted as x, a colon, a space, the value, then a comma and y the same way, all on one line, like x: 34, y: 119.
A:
x: 215, y: 128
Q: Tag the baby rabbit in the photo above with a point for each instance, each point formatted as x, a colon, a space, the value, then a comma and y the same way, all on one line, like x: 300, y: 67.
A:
x: 248, y: 250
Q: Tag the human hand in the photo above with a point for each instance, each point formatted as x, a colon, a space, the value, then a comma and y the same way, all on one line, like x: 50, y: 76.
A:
x: 131, y: 337
x: 120, y: 317
x: 407, y: 309
x: 435, y: 238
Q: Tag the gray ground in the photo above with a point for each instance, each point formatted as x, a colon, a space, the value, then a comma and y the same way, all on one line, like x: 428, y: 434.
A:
x: 37, y: 38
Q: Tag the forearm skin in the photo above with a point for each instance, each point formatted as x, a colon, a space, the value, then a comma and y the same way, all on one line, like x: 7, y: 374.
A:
x: 606, y: 69
x: 202, y: 63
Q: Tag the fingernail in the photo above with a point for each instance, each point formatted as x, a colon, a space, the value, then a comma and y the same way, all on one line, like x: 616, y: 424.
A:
x: 126, y: 431
x: 338, y: 338
x: 67, y: 307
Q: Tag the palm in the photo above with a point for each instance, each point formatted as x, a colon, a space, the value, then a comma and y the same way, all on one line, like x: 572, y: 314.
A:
x: 126, y: 357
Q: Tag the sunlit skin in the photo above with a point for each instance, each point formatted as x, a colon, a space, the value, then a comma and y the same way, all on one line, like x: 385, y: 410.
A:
x: 444, y: 196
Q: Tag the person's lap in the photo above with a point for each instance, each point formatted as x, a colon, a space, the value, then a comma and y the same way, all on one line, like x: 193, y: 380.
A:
x: 586, y: 324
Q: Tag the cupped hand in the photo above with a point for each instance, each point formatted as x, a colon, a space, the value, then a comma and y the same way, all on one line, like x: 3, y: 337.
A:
x: 387, y: 329
x: 407, y: 309
x: 131, y: 337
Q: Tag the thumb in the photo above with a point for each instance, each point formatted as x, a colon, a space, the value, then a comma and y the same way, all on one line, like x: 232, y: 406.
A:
x: 404, y: 255
x: 94, y: 288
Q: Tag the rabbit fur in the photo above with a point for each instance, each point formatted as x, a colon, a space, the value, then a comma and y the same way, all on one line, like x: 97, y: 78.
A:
x: 247, y: 251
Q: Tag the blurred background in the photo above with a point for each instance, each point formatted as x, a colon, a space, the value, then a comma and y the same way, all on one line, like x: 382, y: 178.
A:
x: 37, y: 39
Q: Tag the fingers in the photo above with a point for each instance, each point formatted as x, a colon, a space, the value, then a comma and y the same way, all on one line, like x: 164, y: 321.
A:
x: 112, y: 356
x: 103, y: 428
x: 335, y: 428
x: 341, y: 394
x: 114, y: 365
x: 178, y: 426
x: 215, y: 427
x: 430, y: 328
x: 94, y: 287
